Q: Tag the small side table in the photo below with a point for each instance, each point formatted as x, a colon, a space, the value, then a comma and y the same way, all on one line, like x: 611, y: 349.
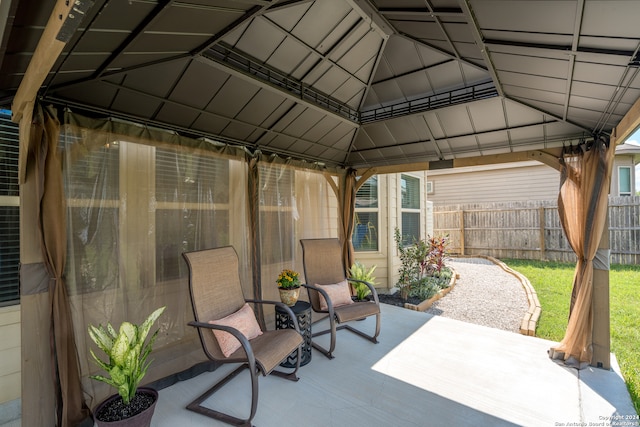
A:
x: 302, y: 310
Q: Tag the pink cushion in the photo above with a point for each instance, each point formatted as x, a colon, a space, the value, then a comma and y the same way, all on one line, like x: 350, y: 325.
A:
x: 244, y: 321
x: 339, y: 294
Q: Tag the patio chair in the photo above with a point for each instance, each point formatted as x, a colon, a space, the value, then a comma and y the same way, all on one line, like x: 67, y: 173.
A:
x: 326, y: 280
x: 219, y: 307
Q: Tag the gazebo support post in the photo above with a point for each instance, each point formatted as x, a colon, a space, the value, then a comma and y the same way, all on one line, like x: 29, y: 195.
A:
x: 601, y: 334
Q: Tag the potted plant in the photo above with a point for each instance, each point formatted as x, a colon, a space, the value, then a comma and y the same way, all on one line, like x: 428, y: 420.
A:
x: 359, y: 272
x: 126, y: 366
x: 289, y: 287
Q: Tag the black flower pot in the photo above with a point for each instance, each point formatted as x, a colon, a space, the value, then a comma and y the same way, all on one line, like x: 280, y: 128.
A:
x: 113, y: 413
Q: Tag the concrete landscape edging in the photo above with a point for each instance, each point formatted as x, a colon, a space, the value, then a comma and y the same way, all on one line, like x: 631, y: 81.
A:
x: 426, y: 304
x: 529, y: 320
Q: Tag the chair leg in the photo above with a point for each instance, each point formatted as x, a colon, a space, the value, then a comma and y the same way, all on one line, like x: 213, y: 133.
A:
x: 196, y: 406
x: 332, y: 345
x: 373, y: 338
x: 329, y: 353
x: 292, y: 375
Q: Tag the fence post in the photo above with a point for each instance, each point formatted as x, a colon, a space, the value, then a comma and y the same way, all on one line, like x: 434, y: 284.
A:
x: 462, y: 232
x: 542, y: 223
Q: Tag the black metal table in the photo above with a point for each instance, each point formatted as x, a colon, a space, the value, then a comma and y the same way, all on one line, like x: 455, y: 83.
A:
x: 302, y: 310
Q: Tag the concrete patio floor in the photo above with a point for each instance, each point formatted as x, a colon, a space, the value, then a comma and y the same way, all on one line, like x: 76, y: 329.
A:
x: 426, y: 371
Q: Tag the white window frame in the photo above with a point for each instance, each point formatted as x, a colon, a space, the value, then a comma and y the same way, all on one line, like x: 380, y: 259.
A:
x: 417, y: 210
x: 620, y: 192
x: 376, y: 227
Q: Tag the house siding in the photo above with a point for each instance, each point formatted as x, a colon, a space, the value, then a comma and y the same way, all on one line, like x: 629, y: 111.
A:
x: 622, y: 161
x: 511, y: 182
x: 519, y: 181
x: 386, y: 259
x: 10, y: 367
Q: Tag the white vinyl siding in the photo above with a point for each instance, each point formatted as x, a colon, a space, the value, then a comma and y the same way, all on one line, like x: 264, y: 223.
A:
x: 499, y: 183
x: 10, y: 358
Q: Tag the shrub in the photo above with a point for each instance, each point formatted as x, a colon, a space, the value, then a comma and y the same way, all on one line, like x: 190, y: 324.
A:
x: 423, y: 271
x: 359, y: 272
x: 438, y: 253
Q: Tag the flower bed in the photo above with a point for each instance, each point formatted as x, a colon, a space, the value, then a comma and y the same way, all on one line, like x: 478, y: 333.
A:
x: 426, y: 304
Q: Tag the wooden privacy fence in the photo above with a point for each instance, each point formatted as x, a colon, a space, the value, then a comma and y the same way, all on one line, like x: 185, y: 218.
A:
x: 532, y: 230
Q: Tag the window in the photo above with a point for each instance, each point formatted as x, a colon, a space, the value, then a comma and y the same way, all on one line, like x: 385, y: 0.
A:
x: 134, y: 208
x: 9, y: 211
x: 624, y: 180
x: 365, y: 230
x: 276, y: 195
x: 192, y: 196
x: 92, y: 191
x: 410, y: 194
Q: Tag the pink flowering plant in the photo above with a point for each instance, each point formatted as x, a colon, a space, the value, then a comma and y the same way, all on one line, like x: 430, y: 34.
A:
x: 288, y: 279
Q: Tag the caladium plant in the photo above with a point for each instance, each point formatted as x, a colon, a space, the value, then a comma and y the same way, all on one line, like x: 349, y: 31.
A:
x: 359, y: 272
x: 127, y: 352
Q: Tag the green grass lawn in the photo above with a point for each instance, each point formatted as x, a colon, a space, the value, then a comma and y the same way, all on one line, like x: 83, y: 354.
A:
x: 552, y: 282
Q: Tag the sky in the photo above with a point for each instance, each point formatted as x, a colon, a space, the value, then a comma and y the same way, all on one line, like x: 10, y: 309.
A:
x: 635, y: 139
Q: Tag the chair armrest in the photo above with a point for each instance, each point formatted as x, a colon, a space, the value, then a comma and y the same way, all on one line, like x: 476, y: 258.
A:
x: 282, y: 305
x: 246, y: 345
x: 371, y: 288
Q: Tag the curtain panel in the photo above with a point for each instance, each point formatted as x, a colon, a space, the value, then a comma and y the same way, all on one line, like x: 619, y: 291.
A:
x: 44, y: 137
x: 138, y: 197
x: 293, y: 204
x: 582, y: 206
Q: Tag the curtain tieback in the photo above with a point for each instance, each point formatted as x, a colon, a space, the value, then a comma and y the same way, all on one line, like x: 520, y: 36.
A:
x: 602, y: 259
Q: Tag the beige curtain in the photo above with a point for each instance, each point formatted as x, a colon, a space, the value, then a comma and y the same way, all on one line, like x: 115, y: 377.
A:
x: 253, y: 187
x: 347, y: 208
x: 70, y: 407
x: 582, y: 206
x: 293, y: 203
x: 138, y: 197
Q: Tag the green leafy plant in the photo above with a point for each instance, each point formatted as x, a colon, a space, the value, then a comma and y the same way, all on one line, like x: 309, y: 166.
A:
x: 359, y: 272
x: 288, y: 279
x: 127, y: 352
x: 422, y: 262
x: 409, y: 268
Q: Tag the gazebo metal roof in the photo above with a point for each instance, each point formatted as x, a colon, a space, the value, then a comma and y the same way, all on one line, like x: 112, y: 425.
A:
x: 344, y: 82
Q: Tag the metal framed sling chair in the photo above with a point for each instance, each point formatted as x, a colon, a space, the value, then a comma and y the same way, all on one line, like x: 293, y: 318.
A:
x: 326, y: 280
x: 219, y: 308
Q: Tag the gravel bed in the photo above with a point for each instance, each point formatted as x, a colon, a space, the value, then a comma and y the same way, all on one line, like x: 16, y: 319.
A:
x: 484, y: 294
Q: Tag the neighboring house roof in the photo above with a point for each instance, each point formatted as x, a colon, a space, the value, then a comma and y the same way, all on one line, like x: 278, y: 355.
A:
x: 629, y: 149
